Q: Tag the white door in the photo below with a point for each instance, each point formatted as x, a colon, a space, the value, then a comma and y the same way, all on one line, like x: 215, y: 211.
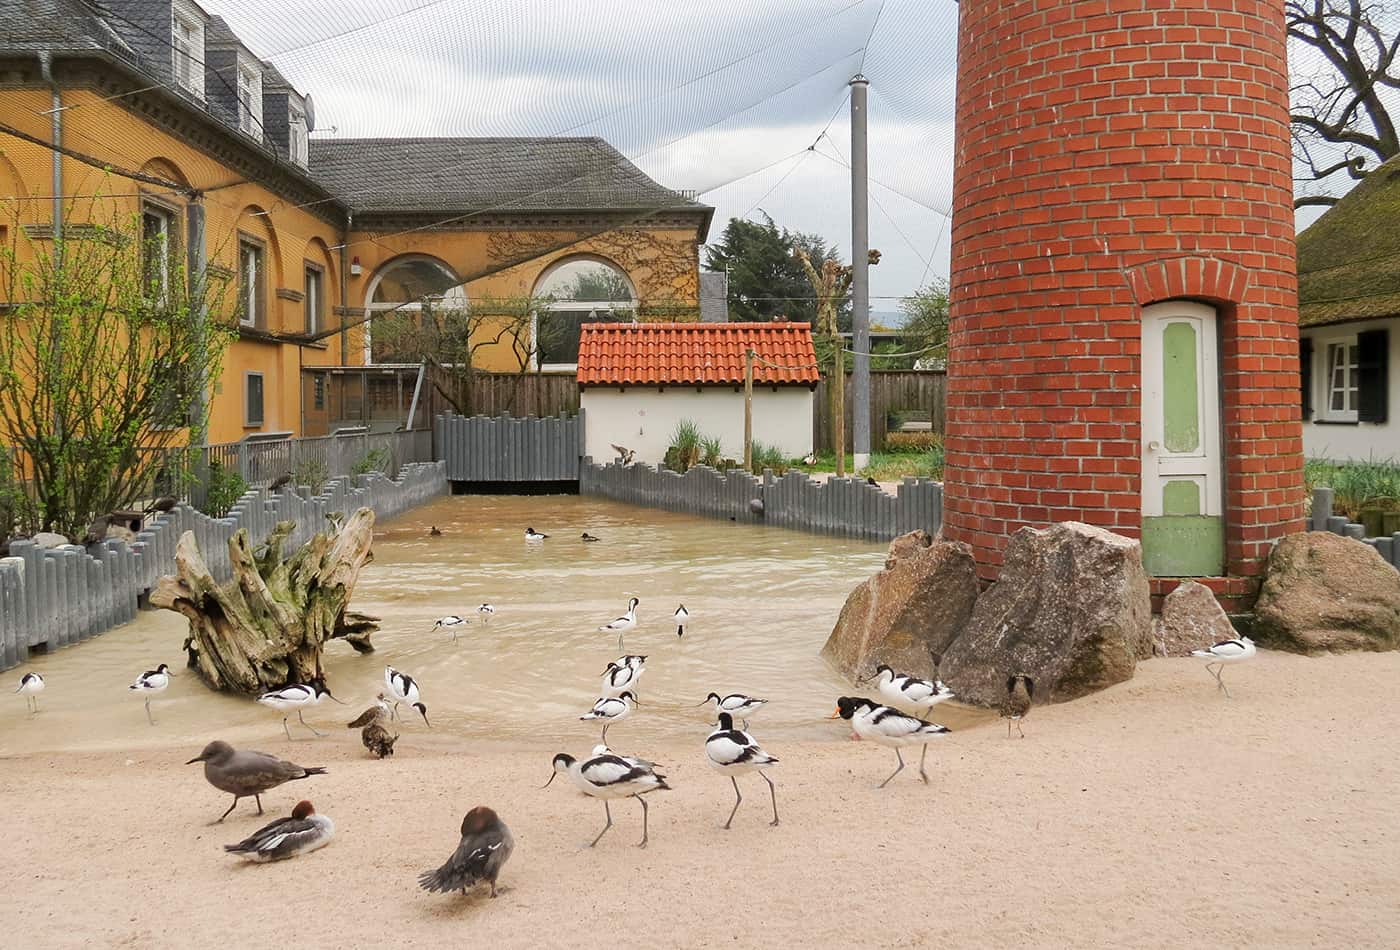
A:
x: 1182, y: 489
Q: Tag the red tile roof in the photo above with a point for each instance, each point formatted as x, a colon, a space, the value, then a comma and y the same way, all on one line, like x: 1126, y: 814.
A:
x: 613, y: 354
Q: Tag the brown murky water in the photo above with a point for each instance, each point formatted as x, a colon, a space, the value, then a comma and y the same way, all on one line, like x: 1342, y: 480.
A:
x: 761, y: 600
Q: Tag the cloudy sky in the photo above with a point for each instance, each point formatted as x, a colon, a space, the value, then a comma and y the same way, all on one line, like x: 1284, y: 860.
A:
x: 744, y: 101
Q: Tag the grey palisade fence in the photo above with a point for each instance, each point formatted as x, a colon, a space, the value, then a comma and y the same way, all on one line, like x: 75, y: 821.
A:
x: 54, y: 597
x: 845, y: 507
x: 510, y: 448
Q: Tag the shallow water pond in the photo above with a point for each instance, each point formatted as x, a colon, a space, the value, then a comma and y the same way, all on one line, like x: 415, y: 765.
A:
x: 762, y: 602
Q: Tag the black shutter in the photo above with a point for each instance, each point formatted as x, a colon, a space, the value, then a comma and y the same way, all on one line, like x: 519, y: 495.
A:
x: 1373, y: 377
x: 1305, y: 375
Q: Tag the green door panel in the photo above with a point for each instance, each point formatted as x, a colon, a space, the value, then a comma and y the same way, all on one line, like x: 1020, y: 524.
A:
x: 1181, y: 410
x: 1184, y: 546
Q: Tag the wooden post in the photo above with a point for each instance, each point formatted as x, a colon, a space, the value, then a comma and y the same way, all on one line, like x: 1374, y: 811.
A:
x: 748, y: 410
x: 839, y: 412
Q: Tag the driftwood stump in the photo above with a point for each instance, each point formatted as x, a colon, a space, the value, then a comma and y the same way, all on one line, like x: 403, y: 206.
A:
x: 266, y: 627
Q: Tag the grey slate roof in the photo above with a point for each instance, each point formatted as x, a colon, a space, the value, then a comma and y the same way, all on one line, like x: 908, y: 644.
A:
x: 472, y: 174
x: 58, y: 26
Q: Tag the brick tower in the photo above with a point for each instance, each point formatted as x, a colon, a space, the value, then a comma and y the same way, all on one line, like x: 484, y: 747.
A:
x: 1124, y: 341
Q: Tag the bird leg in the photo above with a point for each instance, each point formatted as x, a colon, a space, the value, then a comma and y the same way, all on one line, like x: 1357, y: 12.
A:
x: 607, y: 811
x: 307, y: 725
x: 605, y: 732
x: 896, y: 771
x: 394, y: 711
x: 258, y: 798
x: 1220, y: 679
x: 773, y: 792
x: 148, y: 711
x: 643, y: 842
x: 1008, y: 728
x: 285, y: 729
x: 737, y: 799
x: 1019, y: 729
x: 619, y: 643
x: 922, y: 774
x: 230, y: 808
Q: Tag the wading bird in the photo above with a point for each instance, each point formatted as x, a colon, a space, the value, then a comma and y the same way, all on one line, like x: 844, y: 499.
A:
x: 242, y: 774
x: 404, y: 689
x: 484, y: 849
x: 622, y: 674
x: 621, y: 625
x: 451, y: 622
x: 736, y: 704
x: 1226, y: 651
x: 31, y: 685
x: 734, y: 752
x: 611, y: 709
x: 607, y: 775
x: 681, y: 618
x: 1017, y: 705
x: 374, y: 732
x: 887, y: 726
x: 909, y: 691
x: 297, y: 696
x: 151, y: 682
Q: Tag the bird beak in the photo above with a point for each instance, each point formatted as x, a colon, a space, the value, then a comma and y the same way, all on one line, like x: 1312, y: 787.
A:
x: 551, y: 779
x: 836, y: 714
x: 198, y: 758
x: 343, y: 703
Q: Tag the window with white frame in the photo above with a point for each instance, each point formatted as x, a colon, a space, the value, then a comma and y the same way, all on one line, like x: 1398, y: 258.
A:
x: 250, y: 99
x: 187, y: 48
x: 313, y: 298
x: 297, y: 137
x: 157, y: 243
x: 576, y: 291
x: 250, y: 283
x: 1343, y: 380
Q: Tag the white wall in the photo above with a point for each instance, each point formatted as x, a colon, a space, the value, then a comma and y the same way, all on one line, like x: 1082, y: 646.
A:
x: 1362, y: 440
x: 642, y: 418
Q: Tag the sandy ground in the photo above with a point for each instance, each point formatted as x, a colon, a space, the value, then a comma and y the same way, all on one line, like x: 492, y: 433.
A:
x: 1156, y: 814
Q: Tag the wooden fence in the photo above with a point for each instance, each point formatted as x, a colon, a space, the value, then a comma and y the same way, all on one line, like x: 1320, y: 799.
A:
x: 891, y: 391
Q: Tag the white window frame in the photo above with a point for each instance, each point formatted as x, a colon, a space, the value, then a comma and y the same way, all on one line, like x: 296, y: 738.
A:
x: 1325, y: 348
x: 248, y: 421
x: 613, y: 308
x: 251, y: 272
x: 250, y: 112
x: 298, y: 148
x: 187, y: 50
x: 314, y: 295
x: 167, y: 216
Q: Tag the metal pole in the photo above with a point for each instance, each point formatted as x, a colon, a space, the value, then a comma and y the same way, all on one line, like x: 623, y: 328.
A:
x: 197, y: 261
x: 860, y: 274
x: 748, y: 410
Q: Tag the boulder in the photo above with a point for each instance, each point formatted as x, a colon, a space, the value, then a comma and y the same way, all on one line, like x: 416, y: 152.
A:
x: 1071, y: 609
x: 907, y: 614
x: 1192, y: 619
x: 48, y: 539
x: 1326, y: 592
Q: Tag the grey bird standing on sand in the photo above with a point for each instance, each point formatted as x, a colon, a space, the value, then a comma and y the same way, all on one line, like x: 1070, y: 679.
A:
x: 373, y: 731
x: 246, y: 773
x: 485, y: 847
x: 1017, y: 705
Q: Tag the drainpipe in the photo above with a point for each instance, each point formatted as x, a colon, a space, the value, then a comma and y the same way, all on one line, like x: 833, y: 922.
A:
x: 345, y: 287
x: 56, y: 119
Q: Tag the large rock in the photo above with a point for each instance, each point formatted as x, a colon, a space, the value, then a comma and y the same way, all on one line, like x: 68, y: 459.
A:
x: 1327, y: 592
x: 1192, y: 619
x: 1071, y: 609
x: 907, y: 614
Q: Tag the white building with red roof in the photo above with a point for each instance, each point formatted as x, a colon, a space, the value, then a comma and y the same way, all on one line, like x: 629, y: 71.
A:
x: 637, y: 381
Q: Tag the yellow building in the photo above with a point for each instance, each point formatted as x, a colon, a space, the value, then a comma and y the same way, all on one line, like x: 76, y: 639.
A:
x: 158, y: 109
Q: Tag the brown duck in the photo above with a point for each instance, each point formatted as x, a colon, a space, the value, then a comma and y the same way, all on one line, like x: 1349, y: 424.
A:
x: 373, y: 731
x: 485, y: 847
x: 1017, y: 705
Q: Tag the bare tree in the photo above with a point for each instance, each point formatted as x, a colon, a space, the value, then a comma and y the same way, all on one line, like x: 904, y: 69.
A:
x: 1345, y: 83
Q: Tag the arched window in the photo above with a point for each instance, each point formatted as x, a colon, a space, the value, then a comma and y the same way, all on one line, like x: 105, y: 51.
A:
x: 575, y: 291
x: 408, y: 284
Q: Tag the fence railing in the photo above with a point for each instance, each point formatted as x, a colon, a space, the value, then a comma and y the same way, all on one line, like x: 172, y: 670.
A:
x: 54, y: 597
x: 845, y: 507
x: 1323, y: 519
x: 510, y: 448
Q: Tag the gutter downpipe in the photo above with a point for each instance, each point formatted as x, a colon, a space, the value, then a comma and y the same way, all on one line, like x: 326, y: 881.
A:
x: 56, y: 133
x: 345, y: 286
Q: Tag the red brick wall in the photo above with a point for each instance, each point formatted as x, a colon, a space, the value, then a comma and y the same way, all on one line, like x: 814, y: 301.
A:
x: 1113, y: 154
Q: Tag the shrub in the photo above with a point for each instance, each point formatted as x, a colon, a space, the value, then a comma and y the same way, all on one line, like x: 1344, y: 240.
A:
x: 711, y: 452
x: 1356, y: 485
x: 686, y: 447
x: 311, y: 472
x: 911, y: 441
x: 767, y: 456
x: 377, y: 460
x: 222, y: 488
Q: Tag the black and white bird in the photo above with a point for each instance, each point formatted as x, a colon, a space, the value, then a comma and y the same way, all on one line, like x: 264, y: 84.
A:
x: 908, y: 691
x: 151, y: 682
x: 1020, y: 690
x: 885, y: 725
x: 589, y: 538
x: 451, y: 622
x: 297, y: 696
x: 611, y: 709
x: 623, y: 624
x: 1226, y: 651
x: 738, y: 705
x: 607, y: 775
x: 485, y: 612
x: 374, y: 731
x: 734, y: 752
x: 31, y: 685
x: 484, y: 849
x: 681, y: 618
x: 622, y: 674
x: 532, y: 535
x: 404, y: 689
x: 302, y: 833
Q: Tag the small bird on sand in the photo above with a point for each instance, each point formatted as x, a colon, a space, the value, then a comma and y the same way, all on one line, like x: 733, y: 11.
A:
x: 1226, y: 651
x: 31, y: 685
x: 888, y: 726
x: 247, y: 773
x: 734, y: 752
x: 621, y: 625
x: 1017, y: 705
x: 434, y: 532
x: 485, y: 612
x: 622, y: 674
x: 612, y: 709
x: 532, y: 535
x: 589, y: 538
x: 484, y: 849
x: 404, y: 689
x: 297, y: 696
x: 736, y: 704
x: 374, y: 731
x: 909, y: 691
x: 151, y: 682
x: 607, y: 775
x: 451, y: 622
x: 681, y: 618
x: 302, y: 833
x: 280, y: 482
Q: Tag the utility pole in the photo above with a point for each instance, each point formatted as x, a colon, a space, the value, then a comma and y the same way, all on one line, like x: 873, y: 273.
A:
x: 197, y: 284
x: 860, y: 276
x: 748, y: 410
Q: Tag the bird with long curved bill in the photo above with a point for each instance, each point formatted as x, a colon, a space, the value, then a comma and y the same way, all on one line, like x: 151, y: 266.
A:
x: 607, y: 775
x: 1226, y: 651
x: 734, y: 752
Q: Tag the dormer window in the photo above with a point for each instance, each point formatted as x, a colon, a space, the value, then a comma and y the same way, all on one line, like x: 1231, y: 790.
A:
x: 187, y: 48
x: 296, y: 136
x: 250, y: 99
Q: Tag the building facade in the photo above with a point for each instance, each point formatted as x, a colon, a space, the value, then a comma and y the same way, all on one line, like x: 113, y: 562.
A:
x: 155, y: 109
